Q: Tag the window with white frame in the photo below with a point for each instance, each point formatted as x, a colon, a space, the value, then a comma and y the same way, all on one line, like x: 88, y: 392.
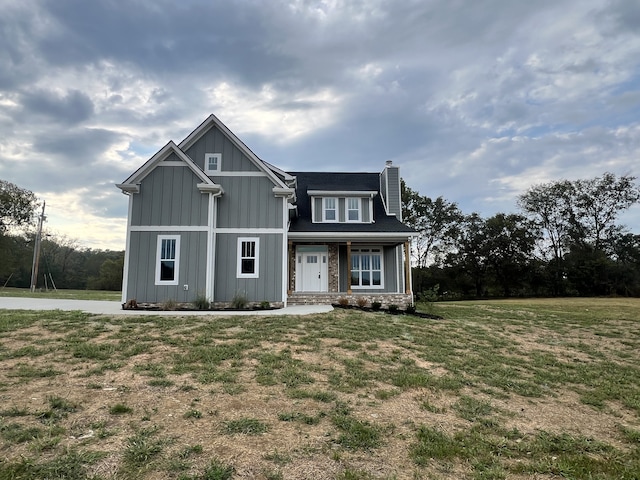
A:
x: 353, y: 209
x: 167, y: 259
x: 329, y: 209
x: 248, y: 257
x: 366, y: 268
x: 212, y: 162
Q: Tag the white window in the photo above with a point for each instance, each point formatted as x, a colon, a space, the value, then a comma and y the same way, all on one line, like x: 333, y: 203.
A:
x: 329, y: 209
x: 366, y: 268
x: 353, y: 209
x: 248, y: 257
x: 212, y: 162
x: 167, y: 259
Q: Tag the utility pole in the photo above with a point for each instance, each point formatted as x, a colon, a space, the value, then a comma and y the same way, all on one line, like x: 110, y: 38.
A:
x: 36, y: 251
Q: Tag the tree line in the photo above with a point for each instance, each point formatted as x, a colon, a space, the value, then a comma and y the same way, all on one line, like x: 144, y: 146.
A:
x: 565, y: 240
x: 62, y: 264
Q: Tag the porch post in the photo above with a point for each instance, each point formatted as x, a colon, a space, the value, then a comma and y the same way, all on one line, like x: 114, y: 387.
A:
x: 407, y: 267
x: 349, y: 267
x: 290, y: 265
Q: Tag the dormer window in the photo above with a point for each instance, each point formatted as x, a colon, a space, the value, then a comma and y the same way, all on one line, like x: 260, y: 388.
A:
x: 329, y: 209
x: 212, y: 163
x: 353, y: 209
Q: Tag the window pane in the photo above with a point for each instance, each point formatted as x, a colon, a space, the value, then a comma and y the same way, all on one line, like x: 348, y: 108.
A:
x: 375, y: 262
x: 330, y: 214
x: 355, y: 262
x: 376, y: 278
x: 248, y: 265
x: 366, y: 264
x: 365, y: 278
x: 167, y: 270
x: 355, y: 279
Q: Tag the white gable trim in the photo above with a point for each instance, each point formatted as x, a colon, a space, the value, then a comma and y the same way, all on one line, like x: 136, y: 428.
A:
x: 211, y: 121
x: 132, y: 184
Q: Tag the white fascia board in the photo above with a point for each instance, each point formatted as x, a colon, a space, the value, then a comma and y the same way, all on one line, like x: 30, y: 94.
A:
x: 342, y: 193
x: 353, y: 236
x: 283, y: 192
x: 213, y: 120
x: 128, y: 188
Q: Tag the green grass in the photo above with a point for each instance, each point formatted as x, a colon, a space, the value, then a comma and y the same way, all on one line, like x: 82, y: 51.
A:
x: 495, y: 390
x: 62, y: 294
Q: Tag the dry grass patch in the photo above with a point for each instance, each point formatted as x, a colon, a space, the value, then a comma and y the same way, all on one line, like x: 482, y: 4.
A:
x: 497, y: 390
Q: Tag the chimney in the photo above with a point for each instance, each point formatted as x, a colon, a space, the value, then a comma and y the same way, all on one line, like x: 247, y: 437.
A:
x: 390, y: 189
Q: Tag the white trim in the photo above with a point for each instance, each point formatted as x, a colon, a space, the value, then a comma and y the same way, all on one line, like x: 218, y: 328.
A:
x: 265, y: 231
x: 400, y: 268
x: 209, y: 274
x: 342, y: 193
x: 285, y: 250
x: 171, y: 163
x: 170, y: 228
x: 176, y: 259
x: 256, y: 257
x: 127, y: 250
x: 250, y: 173
x: 354, y: 236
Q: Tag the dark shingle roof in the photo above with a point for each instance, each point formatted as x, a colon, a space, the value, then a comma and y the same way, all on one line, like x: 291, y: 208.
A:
x: 341, y: 182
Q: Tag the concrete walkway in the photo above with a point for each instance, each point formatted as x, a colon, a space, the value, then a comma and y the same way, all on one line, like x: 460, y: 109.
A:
x: 115, y: 308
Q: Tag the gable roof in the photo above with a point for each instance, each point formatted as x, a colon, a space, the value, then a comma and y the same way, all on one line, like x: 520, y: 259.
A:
x: 132, y: 184
x: 213, y: 121
x: 344, y: 184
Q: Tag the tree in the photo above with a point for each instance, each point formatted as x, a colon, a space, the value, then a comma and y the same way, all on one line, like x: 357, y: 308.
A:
x: 436, y: 221
x: 597, y: 204
x: 17, y: 206
x: 510, y: 242
x: 472, y: 255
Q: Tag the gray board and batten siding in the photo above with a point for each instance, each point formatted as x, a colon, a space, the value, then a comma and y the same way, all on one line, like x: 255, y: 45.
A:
x: 390, y: 190
x: 169, y: 196
x: 214, y: 141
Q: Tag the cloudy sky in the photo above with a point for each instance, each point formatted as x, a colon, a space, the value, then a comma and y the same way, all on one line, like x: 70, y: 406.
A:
x: 475, y: 100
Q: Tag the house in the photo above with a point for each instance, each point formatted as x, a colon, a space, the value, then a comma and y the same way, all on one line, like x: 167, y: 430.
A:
x: 208, y: 218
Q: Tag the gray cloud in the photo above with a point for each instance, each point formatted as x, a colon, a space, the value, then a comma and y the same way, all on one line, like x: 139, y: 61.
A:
x: 475, y: 101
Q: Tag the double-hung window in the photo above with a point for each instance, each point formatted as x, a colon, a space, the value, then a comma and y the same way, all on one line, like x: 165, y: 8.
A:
x: 353, y: 209
x: 329, y: 209
x: 366, y: 268
x: 167, y: 259
x: 248, y: 257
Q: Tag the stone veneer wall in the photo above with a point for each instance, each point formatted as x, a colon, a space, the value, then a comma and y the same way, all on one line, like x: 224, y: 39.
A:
x: 402, y: 300
x: 334, y: 269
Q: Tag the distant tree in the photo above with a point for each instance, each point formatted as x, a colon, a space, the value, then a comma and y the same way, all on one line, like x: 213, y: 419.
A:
x: 436, y: 221
x: 110, y: 276
x: 597, y: 205
x: 17, y: 206
x: 509, y: 243
x: 471, y: 257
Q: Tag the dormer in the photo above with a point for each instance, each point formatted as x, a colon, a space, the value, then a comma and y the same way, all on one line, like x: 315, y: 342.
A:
x: 333, y: 206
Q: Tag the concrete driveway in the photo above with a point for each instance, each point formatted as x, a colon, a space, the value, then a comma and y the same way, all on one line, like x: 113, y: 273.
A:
x: 115, y: 308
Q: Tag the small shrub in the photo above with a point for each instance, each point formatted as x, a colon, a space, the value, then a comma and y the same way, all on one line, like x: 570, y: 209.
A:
x: 343, y: 301
x: 393, y: 308
x: 239, y: 301
x: 362, y: 302
x: 411, y: 309
x: 265, y: 305
x: 201, y: 302
x: 376, y: 306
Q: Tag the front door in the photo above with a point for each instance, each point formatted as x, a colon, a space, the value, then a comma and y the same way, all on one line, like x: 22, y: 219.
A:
x: 312, y: 272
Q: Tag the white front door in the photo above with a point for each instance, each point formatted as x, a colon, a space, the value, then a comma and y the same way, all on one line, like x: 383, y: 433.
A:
x: 312, y: 272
